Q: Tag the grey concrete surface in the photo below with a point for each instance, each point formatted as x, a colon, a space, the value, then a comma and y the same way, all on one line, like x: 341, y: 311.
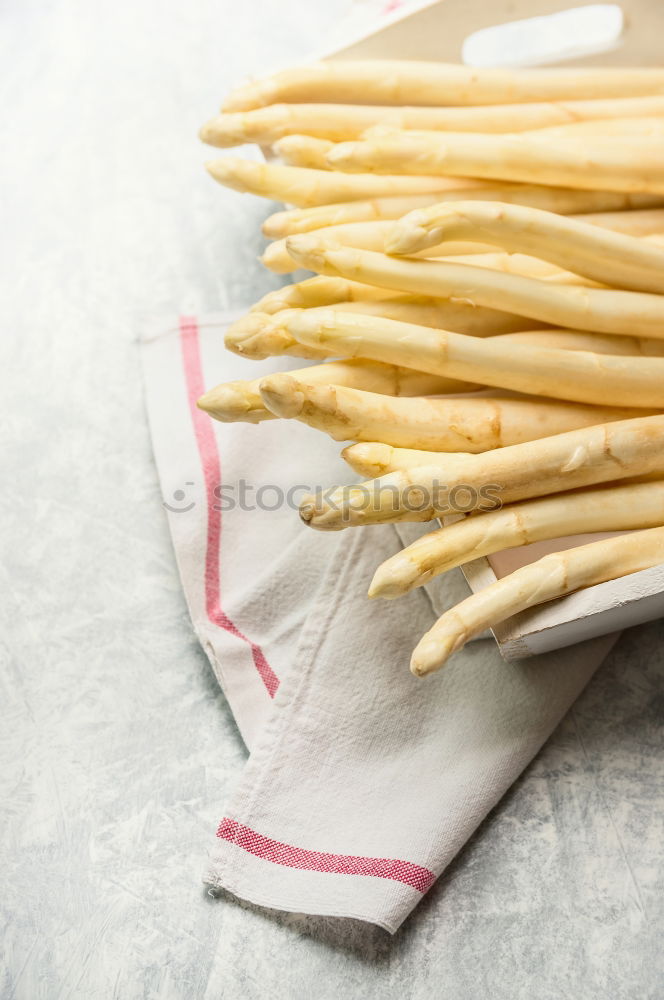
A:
x: 117, y: 748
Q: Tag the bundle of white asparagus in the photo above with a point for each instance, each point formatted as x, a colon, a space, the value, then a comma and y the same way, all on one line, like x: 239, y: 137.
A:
x: 486, y: 319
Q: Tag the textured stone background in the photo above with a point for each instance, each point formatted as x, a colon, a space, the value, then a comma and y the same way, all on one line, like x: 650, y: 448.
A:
x: 117, y: 749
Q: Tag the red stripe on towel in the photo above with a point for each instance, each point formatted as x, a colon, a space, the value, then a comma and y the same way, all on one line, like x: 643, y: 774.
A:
x: 320, y: 861
x: 211, y: 465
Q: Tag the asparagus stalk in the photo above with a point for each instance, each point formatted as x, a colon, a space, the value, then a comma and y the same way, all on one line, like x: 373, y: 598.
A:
x: 365, y: 236
x: 619, y: 127
x: 578, y: 376
x: 563, y: 201
x: 431, y: 84
x: 373, y: 459
x: 277, y: 259
x: 603, y: 163
x: 598, y: 309
x: 619, y: 450
x: 258, y: 336
x: 529, y: 227
x: 304, y: 187
x: 582, y: 340
x: 468, y: 424
x: 579, y: 246
x: 340, y: 122
x: 310, y: 151
x: 635, y: 222
x: 450, y: 314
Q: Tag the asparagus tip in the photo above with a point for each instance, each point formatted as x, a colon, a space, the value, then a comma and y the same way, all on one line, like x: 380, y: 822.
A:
x: 384, y: 588
x: 216, y: 170
x: 374, y: 590
x: 227, y: 402
x: 240, y: 334
x: 282, y: 395
x: 275, y: 226
x: 208, y: 133
x: 307, y: 509
x: 406, y: 235
x: 338, y: 156
x: 205, y: 403
x: 309, y: 251
x: 435, y: 649
x: 229, y: 169
x: 417, y: 669
x: 369, y: 459
x: 237, y: 100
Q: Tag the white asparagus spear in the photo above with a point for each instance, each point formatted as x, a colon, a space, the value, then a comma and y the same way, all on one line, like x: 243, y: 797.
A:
x: 582, y: 247
x: 602, y: 163
x: 516, y: 263
x: 626, y: 507
x: 563, y: 201
x: 241, y: 401
x: 309, y: 151
x: 528, y: 225
x: 602, y: 310
x: 384, y: 81
x: 552, y: 576
x: 258, y: 335
x: 579, y: 376
x: 467, y: 424
x: 277, y: 259
x: 373, y: 459
x: 581, y: 340
x: 341, y: 122
x: 365, y: 236
x: 613, y: 127
x: 635, y: 126
x: 319, y: 291
x: 621, y: 450
x: 526, y: 265
x: 304, y: 187
x: 463, y: 317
